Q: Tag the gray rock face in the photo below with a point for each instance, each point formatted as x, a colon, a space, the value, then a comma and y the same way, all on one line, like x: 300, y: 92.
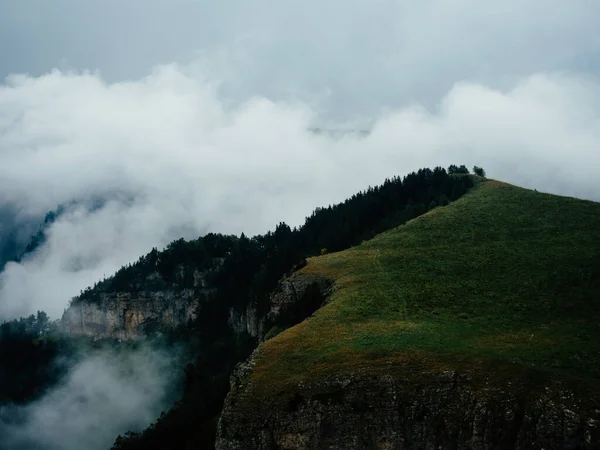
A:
x: 384, y: 412
x: 246, y: 321
x: 121, y: 315
x: 294, y: 299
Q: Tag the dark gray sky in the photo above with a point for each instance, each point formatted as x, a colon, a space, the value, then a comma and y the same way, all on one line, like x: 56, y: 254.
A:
x: 347, y: 57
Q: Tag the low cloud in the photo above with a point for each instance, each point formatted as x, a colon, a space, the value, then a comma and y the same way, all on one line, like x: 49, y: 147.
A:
x: 106, y: 394
x: 172, y: 158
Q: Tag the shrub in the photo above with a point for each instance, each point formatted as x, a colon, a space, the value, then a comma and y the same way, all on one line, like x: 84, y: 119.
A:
x: 479, y: 171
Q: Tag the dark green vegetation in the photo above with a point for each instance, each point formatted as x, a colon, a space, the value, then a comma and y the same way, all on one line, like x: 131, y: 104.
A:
x: 40, y: 237
x: 29, y: 357
x: 244, y: 271
x: 35, y: 355
x: 252, y: 266
x: 503, y: 282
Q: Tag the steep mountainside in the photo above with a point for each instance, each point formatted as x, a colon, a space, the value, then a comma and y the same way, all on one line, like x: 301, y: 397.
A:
x: 252, y: 292
x: 472, y: 326
x: 164, y: 289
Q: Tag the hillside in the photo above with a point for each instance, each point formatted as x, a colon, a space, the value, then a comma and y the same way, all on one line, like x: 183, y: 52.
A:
x: 473, y: 325
x: 239, y: 291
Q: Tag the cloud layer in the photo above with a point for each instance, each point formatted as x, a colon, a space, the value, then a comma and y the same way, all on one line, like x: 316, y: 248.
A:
x: 174, y: 159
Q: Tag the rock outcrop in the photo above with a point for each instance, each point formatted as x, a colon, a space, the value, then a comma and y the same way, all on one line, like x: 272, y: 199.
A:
x: 295, y: 298
x: 246, y: 321
x: 447, y: 410
x: 123, y: 315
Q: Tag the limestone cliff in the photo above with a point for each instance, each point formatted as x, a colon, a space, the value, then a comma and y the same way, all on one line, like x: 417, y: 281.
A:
x: 122, y: 315
x: 295, y: 298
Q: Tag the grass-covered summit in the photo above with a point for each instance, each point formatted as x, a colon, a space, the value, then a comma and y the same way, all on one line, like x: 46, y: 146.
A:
x: 504, y: 281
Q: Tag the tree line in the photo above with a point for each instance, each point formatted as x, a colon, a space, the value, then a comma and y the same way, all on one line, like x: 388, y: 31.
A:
x: 29, y: 348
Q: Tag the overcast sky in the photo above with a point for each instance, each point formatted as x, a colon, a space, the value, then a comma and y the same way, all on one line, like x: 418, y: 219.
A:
x: 348, y: 57
x: 192, y: 116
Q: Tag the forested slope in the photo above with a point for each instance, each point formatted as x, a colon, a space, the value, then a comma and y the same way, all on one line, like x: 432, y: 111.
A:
x: 478, y: 320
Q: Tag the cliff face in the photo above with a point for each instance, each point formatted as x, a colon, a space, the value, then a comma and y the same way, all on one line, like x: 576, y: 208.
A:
x: 295, y: 298
x: 246, y: 321
x: 122, y: 315
x: 385, y: 411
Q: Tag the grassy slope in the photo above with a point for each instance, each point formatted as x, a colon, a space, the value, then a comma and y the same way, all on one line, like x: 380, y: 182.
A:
x: 504, y: 281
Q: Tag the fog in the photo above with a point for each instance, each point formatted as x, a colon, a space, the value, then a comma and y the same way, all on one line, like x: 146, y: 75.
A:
x: 105, y: 394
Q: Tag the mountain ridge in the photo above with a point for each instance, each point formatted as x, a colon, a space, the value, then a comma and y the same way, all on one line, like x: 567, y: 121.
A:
x: 257, y: 291
x: 494, y: 299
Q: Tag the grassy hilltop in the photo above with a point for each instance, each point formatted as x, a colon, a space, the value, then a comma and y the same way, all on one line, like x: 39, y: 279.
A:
x: 503, y: 282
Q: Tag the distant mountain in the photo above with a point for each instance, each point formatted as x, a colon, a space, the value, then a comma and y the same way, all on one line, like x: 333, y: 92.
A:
x: 21, y: 237
x: 16, y: 233
x: 340, y: 132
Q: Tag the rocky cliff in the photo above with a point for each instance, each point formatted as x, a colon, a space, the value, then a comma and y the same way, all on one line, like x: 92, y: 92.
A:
x: 295, y: 298
x: 122, y: 315
x: 385, y: 410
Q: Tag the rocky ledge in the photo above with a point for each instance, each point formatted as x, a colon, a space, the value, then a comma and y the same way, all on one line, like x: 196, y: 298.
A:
x: 434, y: 410
x: 294, y: 299
x: 123, y: 315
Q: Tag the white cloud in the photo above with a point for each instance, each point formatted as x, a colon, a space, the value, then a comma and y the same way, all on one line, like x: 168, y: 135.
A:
x: 174, y: 159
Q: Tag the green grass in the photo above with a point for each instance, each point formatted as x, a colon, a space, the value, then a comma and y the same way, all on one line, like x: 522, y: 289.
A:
x: 504, y: 281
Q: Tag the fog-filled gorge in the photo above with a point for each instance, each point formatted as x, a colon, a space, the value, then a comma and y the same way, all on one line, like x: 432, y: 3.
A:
x: 103, y: 393
x: 166, y: 119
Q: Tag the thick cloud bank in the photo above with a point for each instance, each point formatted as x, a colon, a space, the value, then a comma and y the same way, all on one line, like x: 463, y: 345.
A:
x: 171, y: 158
x: 106, y: 394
